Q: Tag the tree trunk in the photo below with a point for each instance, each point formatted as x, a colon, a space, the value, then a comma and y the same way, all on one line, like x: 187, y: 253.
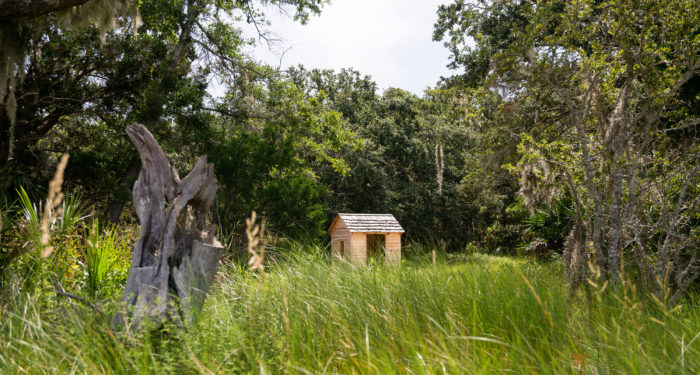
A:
x: 176, y: 256
x: 120, y: 200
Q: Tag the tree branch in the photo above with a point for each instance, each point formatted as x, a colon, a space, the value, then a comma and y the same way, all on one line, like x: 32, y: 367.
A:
x: 11, y: 9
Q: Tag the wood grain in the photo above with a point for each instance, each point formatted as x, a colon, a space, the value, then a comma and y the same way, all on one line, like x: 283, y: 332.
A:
x: 176, y: 255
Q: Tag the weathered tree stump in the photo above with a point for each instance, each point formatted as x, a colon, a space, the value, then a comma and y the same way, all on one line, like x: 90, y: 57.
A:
x: 177, y: 254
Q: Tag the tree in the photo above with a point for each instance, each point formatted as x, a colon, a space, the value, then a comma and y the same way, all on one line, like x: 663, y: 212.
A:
x: 475, y: 31
x: 79, y: 91
x: 268, y: 148
x: 22, y: 24
x: 605, y: 84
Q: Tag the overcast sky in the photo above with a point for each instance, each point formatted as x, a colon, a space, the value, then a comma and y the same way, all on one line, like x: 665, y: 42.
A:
x: 390, y: 40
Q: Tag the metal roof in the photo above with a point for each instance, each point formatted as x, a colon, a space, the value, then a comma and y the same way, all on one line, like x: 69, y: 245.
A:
x: 385, y: 223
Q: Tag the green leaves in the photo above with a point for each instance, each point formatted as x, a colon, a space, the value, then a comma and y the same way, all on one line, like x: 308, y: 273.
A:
x: 106, y: 260
x: 590, y: 88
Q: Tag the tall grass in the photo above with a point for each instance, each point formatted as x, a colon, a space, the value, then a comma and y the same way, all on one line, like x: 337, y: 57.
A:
x: 480, y: 314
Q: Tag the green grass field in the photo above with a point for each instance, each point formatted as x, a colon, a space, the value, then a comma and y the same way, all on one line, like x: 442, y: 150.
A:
x: 474, y: 314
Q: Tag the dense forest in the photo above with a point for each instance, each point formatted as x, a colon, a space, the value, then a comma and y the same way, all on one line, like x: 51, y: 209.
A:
x: 568, y: 135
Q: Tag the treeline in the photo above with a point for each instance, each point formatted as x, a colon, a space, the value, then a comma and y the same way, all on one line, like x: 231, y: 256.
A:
x: 297, y: 146
x: 569, y: 129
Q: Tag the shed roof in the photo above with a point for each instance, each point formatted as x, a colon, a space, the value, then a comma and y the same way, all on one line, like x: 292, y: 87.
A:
x: 386, y: 223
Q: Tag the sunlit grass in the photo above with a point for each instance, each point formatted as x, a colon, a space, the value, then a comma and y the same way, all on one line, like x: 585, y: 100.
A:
x: 474, y: 314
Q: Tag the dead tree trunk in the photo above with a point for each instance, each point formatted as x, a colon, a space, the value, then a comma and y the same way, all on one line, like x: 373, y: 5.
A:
x: 177, y: 255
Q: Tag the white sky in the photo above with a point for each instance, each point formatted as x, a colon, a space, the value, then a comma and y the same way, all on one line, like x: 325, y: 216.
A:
x: 390, y: 40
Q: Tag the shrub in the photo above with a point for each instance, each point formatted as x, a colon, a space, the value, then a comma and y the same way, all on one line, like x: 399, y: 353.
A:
x: 106, y: 257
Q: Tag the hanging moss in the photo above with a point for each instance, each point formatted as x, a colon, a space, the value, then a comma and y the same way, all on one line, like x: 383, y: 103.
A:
x: 18, y: 38
x: 12, y: 59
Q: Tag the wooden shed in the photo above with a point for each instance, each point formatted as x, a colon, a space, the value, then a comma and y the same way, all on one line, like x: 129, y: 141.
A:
x: 355, y: 236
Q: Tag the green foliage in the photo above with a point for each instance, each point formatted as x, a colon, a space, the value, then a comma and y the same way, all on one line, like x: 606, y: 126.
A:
x: 475, y: 32
x: 83, y: 87
x: 87, y: 259
x: 106, y: 260
x: 297, y: 147
x: 410, y: 159
x: 504, y: 234
x: 7, y: 250
x: 546, y: 229
x: 31, y: 211
x: 592, y: 101
x: 62, y: 220
x: 266, y: 159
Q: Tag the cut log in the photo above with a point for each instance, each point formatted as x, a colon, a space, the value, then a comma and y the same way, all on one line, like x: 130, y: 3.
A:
x: 176, y: 256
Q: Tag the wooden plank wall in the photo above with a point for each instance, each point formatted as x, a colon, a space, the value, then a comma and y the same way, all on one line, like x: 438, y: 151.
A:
x: 340, y: 233
x: 393, y: 248
x: 358, y: 253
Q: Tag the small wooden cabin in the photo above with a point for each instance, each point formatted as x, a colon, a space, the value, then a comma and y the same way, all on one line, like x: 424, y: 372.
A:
x: 355, y: 236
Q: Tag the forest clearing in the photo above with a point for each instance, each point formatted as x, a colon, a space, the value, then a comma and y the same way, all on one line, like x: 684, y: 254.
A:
x: 349, y: 186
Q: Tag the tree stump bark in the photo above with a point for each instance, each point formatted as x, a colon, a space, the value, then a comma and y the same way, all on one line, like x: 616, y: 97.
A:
x: 177, y: 254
